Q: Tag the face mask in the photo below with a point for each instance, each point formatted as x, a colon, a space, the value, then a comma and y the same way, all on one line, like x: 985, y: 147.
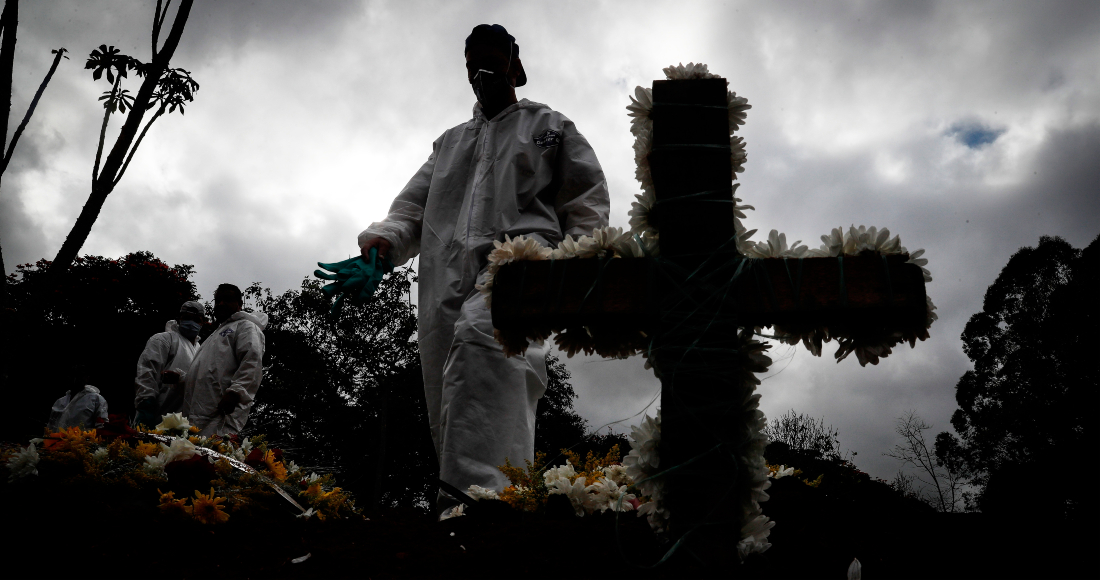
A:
x: 489, y: 87
x: 190, y: 329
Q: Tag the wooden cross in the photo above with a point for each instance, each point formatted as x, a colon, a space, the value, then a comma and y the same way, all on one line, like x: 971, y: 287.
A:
x: 693, y: 299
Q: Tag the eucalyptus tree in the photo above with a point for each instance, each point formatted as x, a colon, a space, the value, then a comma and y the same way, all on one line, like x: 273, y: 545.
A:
x: 163, y: 88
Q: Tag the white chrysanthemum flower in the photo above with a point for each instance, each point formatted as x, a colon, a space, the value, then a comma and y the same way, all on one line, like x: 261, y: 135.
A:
x: 744, y: 244
x: 174, y: 421
x: 737, y: 107
x: 576, y: 492
x: 738, y: 156
x: 313, y: 477
x: 655, y: 512
x: 292, y: 467
x: 479, y: 493
x: 931, y: 316
x: 508, y: 251
x: 628, y: 246
x: 855, y: 570
x: 776, y: 247
x: 915, y: 258
x: 306, y: 514
x: 832, y: 245
x: 601, y: 244
x: 754, y: 536
x: 560, y: 472
x: 617, y: 473
x: 643, y: 459
x: 639, y: 212
x: 100, y: 454
x: 640, y: 108
x: 516, y: 249
x: 566, y: 249
x: 689, y: 71
x: 643, y: 144
x: 782, y: 472
x: 23, y: 463
x: 453, y: 512
x: 606, y: 494
x: 738, y: 208
x: 179, y: 449
x: 155, y: 463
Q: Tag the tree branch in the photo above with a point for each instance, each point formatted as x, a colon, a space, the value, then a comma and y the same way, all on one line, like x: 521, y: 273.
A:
x: 9, y: 21
x: 103, y: 133
x: 156, y: 28
x: 30, y: 110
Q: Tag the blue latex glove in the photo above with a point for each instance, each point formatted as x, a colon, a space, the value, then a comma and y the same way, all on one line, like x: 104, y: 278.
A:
x: 355, y: 278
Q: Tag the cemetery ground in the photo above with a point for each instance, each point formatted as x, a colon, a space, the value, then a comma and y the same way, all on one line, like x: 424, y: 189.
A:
x: 67, y: 529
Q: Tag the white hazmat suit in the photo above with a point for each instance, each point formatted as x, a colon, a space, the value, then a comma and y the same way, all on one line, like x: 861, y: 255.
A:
x: 230, y: 359
x: 165, y: 351
x: 527, y: 171
x: 82, y: 409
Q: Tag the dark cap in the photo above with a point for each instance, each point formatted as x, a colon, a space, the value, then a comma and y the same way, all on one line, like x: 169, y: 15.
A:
x: 497, y: 36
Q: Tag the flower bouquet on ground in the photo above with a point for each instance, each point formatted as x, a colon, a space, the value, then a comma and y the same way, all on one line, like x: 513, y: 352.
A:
x: 207, y: 480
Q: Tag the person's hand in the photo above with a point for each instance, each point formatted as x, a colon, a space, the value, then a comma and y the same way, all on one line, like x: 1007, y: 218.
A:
x: 382, y: 244
x: 229, y: 402
x: 170, y: 377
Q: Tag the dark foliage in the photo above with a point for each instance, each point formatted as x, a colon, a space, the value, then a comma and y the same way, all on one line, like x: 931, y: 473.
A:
x: 1029, y: 408
x: 346, y: 392
x: 804, y: 434
x: 99, y: 314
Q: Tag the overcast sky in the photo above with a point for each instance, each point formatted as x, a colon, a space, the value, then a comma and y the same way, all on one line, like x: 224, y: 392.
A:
x: 970, y: 129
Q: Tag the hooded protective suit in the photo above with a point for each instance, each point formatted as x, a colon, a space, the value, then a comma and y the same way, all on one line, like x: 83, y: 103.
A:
x: 80, y: 409
x: 168, y: 350
x: 230, y: 359
x: 527, y: 171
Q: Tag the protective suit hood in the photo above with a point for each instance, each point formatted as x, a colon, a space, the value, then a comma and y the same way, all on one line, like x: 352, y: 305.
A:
x: 479, y: 115
x: 257, y: 318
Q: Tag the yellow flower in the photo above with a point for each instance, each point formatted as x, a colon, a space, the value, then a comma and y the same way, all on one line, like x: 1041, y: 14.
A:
x: 194, y: 440
x: 814, y: 483
x: 170, y: 505
x: 194, y: 429
x: 146, y: 449
x: 276, y: 468
x: 208, y: 509
x: 313, y: 492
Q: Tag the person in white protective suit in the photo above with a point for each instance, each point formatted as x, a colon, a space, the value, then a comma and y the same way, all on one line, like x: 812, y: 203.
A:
x: 515, y: 168
x: 221, y: 384
x: 163, y: 365
x: 81, y: 406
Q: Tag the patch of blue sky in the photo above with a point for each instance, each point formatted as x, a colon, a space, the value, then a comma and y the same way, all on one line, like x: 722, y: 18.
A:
x: 974, y: 135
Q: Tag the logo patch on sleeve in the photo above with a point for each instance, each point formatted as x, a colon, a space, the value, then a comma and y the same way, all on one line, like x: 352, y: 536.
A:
x: 548, y: 139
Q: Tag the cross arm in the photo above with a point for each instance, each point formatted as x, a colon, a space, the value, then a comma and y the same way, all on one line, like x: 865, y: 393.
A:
x: 866, y: 291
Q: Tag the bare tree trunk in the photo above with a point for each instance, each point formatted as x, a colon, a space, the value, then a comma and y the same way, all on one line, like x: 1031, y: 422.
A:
x: 9, y: 21
x: 105, y: 181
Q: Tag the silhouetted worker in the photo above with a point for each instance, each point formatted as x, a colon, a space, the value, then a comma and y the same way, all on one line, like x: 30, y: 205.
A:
x: 221, y: 383
x: 163, y: 364
x: 81, y: 406
x: 515, y: 168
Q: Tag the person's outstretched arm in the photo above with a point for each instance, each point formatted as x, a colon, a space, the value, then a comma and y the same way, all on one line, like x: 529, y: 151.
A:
x: 398, y: 236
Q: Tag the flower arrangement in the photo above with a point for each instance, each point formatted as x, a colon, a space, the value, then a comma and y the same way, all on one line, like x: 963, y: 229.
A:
x: 594, y: 484
x: 241, y: 473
